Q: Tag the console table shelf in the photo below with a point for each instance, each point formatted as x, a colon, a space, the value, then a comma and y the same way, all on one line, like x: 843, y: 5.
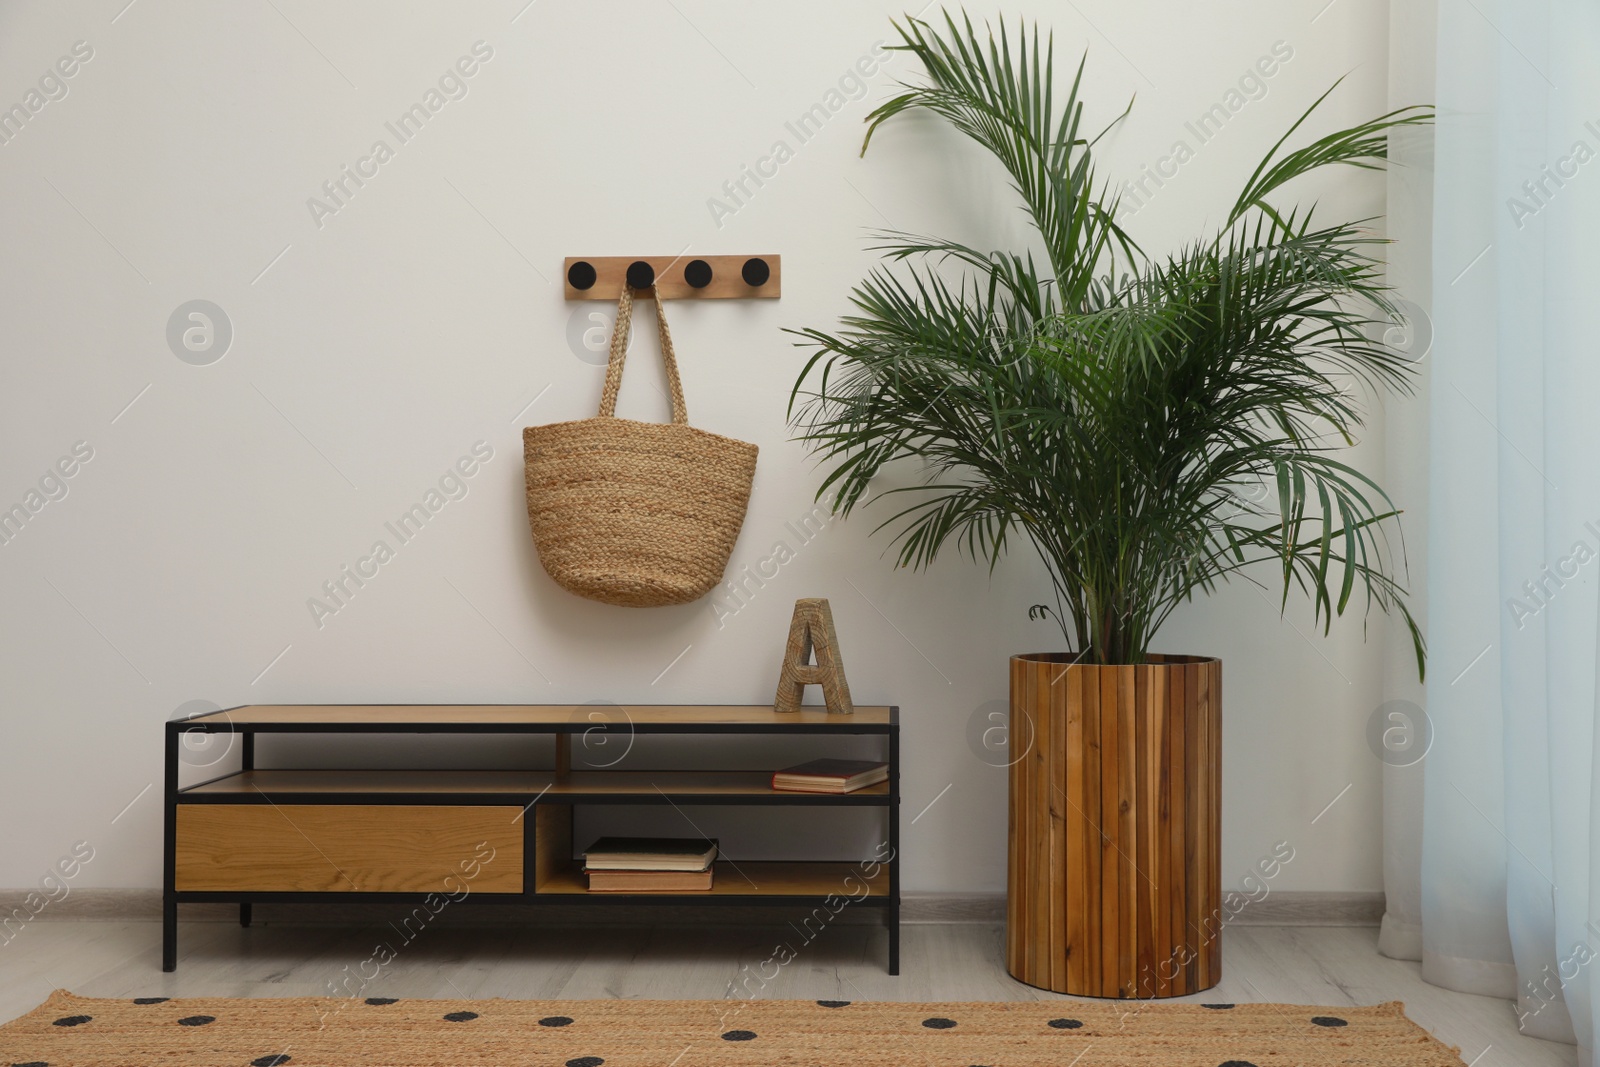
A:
x: 594, y: 787
x: 796, y: 881
x: 305, y: 835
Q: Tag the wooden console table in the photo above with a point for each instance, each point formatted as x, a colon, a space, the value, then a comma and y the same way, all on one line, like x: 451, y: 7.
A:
x: 285, y: 835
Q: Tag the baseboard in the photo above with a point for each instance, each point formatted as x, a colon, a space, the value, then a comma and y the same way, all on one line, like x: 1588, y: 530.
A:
x: 144, y: 905
x: 952, y: 907
x: 1280, y: 908
x: 109, y: 905
x: 1311, y: 908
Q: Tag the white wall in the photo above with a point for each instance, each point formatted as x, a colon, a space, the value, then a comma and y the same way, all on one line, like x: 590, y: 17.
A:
x: 371, y: 351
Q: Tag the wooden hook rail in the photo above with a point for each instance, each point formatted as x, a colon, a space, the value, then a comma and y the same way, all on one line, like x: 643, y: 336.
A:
x: 675, y: 277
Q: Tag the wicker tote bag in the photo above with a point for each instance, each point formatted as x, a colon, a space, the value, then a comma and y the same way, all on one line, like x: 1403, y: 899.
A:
x: 634, y: 513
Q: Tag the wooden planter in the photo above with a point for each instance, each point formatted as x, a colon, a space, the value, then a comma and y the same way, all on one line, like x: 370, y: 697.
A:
x: 1115, y: 880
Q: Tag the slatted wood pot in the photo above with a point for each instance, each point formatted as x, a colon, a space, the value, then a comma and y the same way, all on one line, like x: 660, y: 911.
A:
x: 1115, y: 880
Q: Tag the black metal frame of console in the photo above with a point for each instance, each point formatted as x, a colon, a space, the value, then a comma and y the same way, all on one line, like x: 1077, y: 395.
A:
x: 174, y: 796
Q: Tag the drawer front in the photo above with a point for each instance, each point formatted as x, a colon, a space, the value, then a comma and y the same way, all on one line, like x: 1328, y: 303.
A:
x: 349, y: 848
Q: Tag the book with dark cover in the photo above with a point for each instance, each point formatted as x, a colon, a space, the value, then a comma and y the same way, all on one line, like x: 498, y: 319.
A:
x: 650, y: 854
x: 830, y: 776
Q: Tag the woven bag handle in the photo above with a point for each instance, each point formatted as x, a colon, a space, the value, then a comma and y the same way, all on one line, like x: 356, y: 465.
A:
x: 619, y: 352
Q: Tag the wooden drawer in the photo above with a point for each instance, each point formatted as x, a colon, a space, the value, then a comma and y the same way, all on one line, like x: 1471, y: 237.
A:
x: 349, y: 848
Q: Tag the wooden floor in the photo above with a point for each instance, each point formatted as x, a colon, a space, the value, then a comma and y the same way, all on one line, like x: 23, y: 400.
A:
x: 1297, y: 965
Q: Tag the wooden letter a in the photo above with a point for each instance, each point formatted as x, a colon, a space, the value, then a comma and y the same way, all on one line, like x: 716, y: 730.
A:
x: 812, y: 629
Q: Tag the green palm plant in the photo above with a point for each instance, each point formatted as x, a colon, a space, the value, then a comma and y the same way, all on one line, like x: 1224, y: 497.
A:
x: 1129, y: 415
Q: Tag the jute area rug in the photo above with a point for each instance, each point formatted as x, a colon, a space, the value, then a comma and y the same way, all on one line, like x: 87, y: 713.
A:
x: 73, y: 1031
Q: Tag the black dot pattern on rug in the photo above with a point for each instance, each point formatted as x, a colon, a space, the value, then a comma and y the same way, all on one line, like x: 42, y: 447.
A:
x: 72, y: 1020
x: 1217, y: 1007
x: 1328, y: 1020
x: 739, y: 1035
x: 586, y: 1061
x: 378, y: 1002
x: 1236, y: 1063
x: 461, y: 1016
x: 938, y: 1024
x: 31, y: 1063
x: 151, y: 1000
x: 197, y: 1020
x: 556, y: 1020
x: 834, y: 1003
x: 1066, y: 1024
x: 277, y: 1059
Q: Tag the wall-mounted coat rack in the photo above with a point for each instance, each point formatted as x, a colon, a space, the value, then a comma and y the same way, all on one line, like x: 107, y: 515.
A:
x: 675, y: 277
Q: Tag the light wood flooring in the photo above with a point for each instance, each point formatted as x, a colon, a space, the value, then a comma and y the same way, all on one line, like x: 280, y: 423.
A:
x: 1296, y: 965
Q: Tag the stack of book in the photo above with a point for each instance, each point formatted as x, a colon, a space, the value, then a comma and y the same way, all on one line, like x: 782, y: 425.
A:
x: 830, y: 776
x: 649, y: 864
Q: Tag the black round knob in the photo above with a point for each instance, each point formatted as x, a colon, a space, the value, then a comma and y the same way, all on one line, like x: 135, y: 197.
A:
x: 641, y: 275
x: 697, y: 274
x: 755, y: 272
x: 581, y: 275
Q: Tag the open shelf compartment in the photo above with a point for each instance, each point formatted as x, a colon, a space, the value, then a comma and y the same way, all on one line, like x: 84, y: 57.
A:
x: 558, y: 873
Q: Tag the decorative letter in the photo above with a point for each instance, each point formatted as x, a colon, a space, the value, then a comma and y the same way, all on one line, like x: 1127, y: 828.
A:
x: 812, y: 629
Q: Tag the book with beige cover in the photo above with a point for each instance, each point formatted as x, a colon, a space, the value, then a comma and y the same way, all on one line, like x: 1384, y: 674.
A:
x: 650, y: 881
x: 650, y: 854
x: 830, y: 776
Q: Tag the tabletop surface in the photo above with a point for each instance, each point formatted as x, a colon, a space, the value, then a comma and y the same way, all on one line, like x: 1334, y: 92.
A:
x: 577, y: 716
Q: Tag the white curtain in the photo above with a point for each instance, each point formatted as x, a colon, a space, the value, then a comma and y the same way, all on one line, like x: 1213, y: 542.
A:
x: 1490, y: 850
